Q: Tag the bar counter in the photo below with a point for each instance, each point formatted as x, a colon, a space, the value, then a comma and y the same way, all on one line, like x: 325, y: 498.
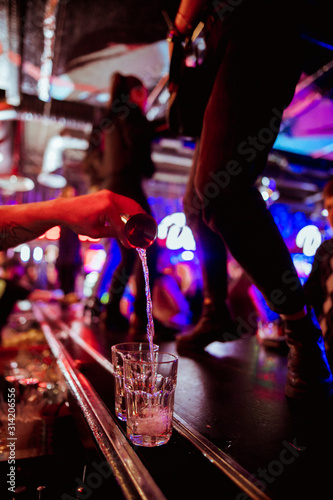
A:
x: 235, y: 436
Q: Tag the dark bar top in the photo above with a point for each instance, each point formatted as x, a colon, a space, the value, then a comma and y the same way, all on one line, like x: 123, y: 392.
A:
x: 236, y: 435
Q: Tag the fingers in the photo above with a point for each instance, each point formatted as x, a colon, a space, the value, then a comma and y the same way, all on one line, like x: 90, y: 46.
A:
x: 108, y: 208
x: 127, y: 206
x: 106, y: 232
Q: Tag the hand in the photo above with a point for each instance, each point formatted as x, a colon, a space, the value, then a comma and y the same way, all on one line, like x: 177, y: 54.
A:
x: 98, y: 215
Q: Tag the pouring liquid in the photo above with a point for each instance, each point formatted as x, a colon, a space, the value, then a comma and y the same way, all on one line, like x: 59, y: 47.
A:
x: 149, y: 307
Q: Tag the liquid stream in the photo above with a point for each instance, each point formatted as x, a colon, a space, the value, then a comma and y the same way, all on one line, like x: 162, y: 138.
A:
x: 150, y: 321
x: 149, y: 307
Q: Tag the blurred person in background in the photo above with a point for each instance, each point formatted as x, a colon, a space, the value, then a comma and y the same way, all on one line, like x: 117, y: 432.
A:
x: 14, y: 288
x: 319, y: 285
x: 119, y: 159
x: 176, y: 296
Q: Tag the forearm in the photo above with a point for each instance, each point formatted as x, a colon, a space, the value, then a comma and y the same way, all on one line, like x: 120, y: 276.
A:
x: 22, y: 223
x: 97, y: 215
x: 188, y: 15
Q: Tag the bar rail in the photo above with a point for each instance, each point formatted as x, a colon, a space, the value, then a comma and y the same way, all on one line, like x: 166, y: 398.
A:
x: 131, y: 474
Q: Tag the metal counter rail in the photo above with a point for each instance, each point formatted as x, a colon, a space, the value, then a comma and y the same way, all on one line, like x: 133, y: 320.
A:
x: 216, y: 456
x: 132, y: 477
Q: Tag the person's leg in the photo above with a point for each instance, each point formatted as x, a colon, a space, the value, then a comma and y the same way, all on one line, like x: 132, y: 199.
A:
x: 215, y: 317
x: 118, y: 284
x: 241, y: 122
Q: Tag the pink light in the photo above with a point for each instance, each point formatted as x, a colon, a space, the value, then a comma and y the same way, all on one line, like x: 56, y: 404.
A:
x: 52, y: 234
x: 84, y: 238
x: 94, y: 260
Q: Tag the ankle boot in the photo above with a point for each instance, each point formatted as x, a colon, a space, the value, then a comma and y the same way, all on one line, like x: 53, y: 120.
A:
x: 215, y: 324
x: 309, y: 374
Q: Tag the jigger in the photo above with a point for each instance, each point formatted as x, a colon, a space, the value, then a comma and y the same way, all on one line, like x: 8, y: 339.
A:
x: 140, y: 230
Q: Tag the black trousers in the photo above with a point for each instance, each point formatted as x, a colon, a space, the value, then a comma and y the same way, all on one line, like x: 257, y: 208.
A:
x: 253, y: 54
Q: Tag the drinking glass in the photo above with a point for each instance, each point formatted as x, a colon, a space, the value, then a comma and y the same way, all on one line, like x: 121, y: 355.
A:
x: 150, y: 386
x: 118, y: 351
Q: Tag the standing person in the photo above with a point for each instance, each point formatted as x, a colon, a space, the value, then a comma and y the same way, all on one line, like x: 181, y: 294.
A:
x: 319, y: 285
x: 253, y: 68
x: 120, y: 162
x: 11, y: 290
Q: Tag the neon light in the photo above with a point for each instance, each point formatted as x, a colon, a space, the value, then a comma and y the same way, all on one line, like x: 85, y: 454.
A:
x: 303, y: 268
x: 318, y: 42
x: 89, y: 282
x: 187, y: 255
x: 309, y: 238
x: 91, y: 278
x: 177, y: 234
x: 94, y: 260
